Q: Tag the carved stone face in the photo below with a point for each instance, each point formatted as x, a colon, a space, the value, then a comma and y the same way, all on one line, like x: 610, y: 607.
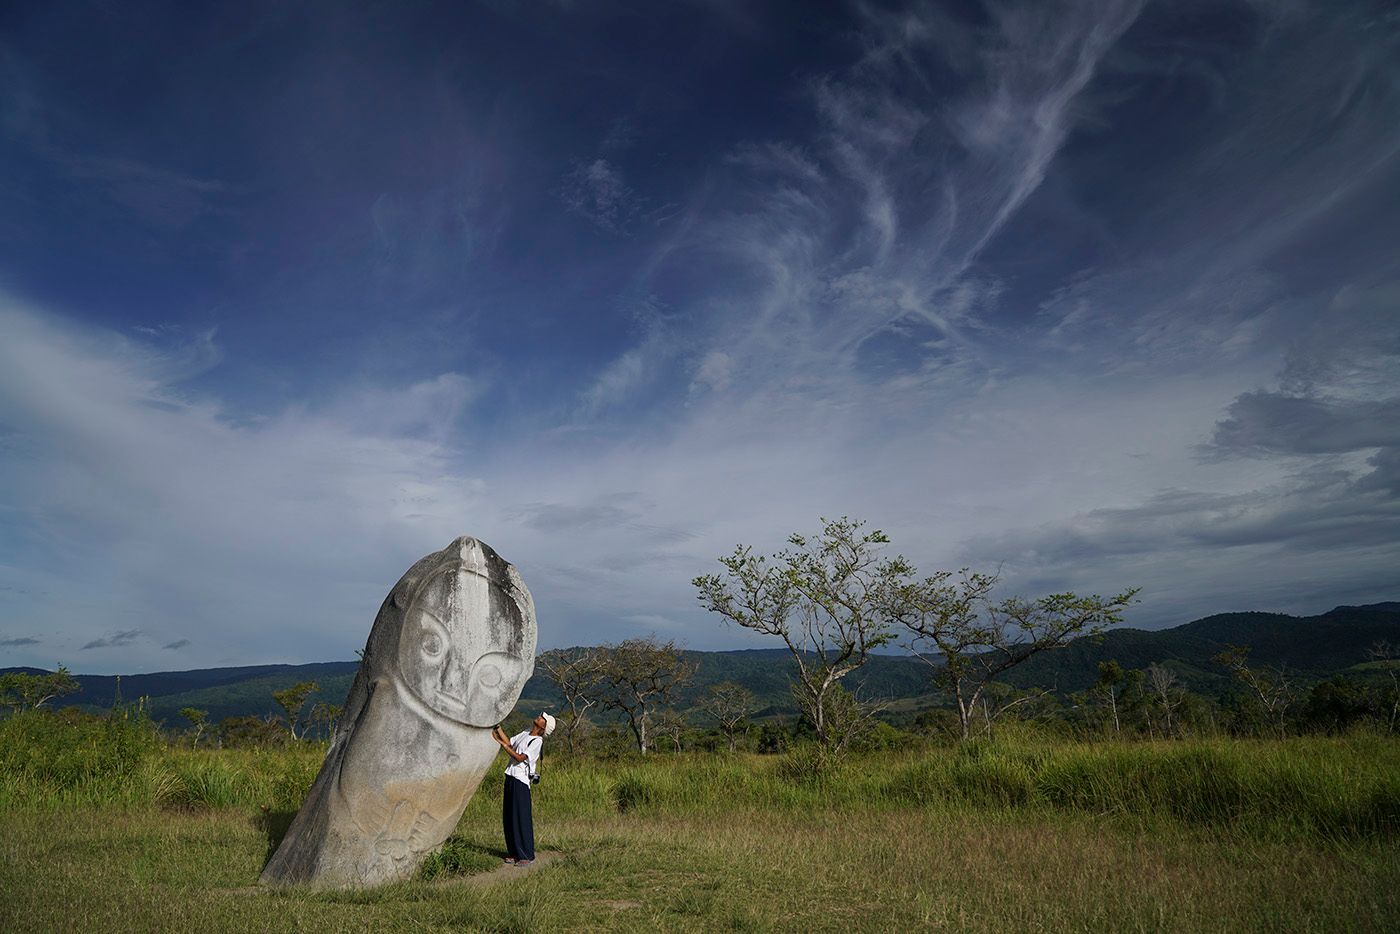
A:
x: 459, y: 644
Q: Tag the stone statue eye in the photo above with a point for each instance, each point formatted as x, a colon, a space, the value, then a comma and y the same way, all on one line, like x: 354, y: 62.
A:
x: 493, y: 670
x: 432, y: 644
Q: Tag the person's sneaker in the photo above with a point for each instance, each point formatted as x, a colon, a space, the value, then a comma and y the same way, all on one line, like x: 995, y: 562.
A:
x: 509, y: 860
x: 523, y: 862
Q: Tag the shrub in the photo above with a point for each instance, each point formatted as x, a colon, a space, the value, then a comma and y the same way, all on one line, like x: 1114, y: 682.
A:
x: 63, y: 752
x: 456, y: 857
x: 632, y: 790
x: 808, y: 764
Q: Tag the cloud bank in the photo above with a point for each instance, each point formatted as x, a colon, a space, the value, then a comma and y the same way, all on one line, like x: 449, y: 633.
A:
x: 995, y: 292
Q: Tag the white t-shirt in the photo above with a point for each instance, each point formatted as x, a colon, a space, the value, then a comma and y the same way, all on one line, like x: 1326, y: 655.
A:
x: 528, y: 746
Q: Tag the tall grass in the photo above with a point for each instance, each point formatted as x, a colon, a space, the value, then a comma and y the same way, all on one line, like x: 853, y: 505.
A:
x: 1315, y: 786
x: 1324, y: 787
x: 119, y: 761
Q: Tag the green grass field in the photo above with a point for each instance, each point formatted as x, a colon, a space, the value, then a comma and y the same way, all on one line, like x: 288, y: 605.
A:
x: 1023, y: 835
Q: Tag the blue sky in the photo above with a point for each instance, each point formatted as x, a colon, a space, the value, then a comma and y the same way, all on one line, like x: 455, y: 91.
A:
x: 1102, y: 294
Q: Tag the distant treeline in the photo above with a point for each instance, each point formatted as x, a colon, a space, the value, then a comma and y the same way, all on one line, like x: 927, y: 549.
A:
x: 1239, y: 674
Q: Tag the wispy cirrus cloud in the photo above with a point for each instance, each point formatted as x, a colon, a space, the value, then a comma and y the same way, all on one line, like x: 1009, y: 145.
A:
x: 597, y: 191
x: 870, y: 227
x: 858, y: 287
x: 1098, y: 293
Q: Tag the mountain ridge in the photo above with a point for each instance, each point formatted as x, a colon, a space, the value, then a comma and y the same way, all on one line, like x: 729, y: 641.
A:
x: 1313, y: 646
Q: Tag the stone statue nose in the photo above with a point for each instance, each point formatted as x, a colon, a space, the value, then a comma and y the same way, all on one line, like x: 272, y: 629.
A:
x: 445, y: 678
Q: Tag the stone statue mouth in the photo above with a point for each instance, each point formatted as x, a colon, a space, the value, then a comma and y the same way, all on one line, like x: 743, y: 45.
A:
x: 452, y: 700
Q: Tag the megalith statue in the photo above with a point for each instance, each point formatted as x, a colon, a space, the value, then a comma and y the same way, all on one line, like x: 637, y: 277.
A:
x: 450, y: 651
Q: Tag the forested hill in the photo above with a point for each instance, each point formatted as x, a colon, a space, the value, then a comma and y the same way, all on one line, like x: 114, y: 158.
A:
x: 1313, y: 646
x: 223, y: 692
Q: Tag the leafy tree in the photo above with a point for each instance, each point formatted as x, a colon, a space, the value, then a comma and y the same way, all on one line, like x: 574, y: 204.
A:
x: 1134, y: 703
x: 1388, y: 655
x: 636, y: 676
x: 730, y: 705
x: 250, y: 731
x: 576, y: 673
x: 1338, y: 703
x: 772, y: 737
x: 882, y: 737
x: 969, y: 640
x: 292, y: 700
x: 828, y: 597
x: 10, y: 694
x: 1197, y: 714
x: 937, y: 721
x: 1273, y: 688
x: 199, y: 719
x: 20, y: 690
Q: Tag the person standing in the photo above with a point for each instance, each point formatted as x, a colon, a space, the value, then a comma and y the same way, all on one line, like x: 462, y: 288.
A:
x: 516, y: 819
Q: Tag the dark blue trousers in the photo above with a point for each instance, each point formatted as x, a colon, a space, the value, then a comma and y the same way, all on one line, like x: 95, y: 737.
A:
x: 516, y: 820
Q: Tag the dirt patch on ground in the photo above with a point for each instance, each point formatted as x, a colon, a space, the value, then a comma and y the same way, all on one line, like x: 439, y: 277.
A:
x: 504, y: 873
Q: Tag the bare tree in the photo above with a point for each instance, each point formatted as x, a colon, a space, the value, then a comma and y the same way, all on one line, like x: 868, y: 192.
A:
x: 730, y: 704
x: 292, y: 699
x: 1163, y: 683
x: 324, y: 716
x: 969, y: 640
x: 638, y: 675
x: 1273, y: 687
x: 576, y: 673
x: 672, y: 724
x: 829, y: 598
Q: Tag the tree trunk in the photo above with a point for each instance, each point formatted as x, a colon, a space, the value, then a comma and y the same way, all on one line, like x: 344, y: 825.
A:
x: 966, y: 707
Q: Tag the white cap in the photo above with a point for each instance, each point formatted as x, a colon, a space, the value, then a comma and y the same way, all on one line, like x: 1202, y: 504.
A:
x: 548, y: 723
